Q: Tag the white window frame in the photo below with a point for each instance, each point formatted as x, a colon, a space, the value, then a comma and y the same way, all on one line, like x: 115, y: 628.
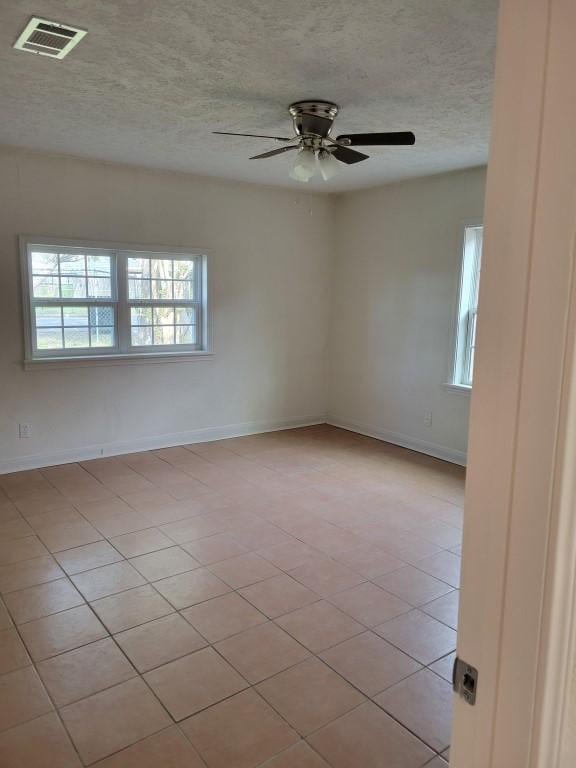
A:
x: 467, y: 308
x: 123, y: 352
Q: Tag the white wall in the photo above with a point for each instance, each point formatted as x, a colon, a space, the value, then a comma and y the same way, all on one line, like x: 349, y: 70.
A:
x: 398, y: 251
x: 270, y: 272
x: 375, y: 271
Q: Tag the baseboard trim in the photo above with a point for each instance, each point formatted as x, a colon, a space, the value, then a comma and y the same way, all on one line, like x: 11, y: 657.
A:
x: 71, y: 455
x: 99, y: 451
x: 404, y: 441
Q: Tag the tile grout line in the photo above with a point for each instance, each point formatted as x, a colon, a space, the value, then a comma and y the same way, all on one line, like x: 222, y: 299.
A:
x: 55, y: 709
x: 332, y: 557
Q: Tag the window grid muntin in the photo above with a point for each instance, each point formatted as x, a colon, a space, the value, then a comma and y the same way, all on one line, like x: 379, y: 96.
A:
x: 92, y: 328
x: 151, y: 280
x: 196, y: 303
x: 84, y: 276
x: 153, y: 323
x: 71, y: 301
x: 119, y: 300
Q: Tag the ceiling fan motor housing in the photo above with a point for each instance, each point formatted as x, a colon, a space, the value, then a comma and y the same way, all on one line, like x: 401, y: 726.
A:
x: 313, y: 118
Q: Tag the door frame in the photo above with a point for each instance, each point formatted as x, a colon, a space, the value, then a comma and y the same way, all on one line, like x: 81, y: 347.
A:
x: 519, y: 552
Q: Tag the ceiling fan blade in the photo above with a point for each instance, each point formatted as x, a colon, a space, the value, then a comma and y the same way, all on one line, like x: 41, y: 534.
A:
x: 315, y: 124
x: 392, y: 139
x: 349, y: 156
x: 274, y: 152
x: 254, y: 135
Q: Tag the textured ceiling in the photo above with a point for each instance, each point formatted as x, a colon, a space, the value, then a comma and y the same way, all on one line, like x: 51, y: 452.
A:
x: 151, y: 80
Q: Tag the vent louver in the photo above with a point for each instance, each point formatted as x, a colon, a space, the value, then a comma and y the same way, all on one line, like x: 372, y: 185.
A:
x: 48, y: 38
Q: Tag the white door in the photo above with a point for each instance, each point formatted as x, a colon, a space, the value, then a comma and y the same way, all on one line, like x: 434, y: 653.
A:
x: 519, y: 534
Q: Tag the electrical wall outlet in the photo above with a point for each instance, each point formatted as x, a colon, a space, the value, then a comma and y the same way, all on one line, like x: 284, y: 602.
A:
x: 25, y: 430
x: 428, y: 419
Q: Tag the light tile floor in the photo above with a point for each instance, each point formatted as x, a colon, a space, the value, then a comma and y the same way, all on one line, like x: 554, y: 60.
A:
x: 286, y: 600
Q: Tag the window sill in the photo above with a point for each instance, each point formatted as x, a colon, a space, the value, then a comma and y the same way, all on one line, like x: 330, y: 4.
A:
x: 462, y: 389
x: 112, y: 360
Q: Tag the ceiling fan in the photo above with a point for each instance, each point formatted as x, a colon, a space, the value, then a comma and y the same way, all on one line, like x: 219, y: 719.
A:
x: 313, y: 122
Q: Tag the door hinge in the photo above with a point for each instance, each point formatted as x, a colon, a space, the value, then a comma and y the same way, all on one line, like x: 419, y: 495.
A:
x: 465, y: 680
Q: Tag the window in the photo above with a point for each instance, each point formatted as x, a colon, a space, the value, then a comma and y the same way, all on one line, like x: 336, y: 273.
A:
x: 468, y: 307
x: 83, y: 301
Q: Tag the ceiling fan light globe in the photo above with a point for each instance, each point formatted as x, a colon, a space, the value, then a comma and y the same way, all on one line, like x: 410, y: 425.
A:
x: 304, y: 165
x: 329, y: 166
x: 297, y: 176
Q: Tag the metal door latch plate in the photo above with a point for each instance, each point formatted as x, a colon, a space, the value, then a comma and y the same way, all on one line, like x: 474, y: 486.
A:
x: 465, y: 680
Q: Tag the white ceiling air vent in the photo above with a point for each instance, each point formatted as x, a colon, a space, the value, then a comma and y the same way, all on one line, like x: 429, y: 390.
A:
x: 48, y: 38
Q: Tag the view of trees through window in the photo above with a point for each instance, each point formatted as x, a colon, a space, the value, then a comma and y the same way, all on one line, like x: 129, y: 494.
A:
x: 169, y: 281
x: 115, y: 301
